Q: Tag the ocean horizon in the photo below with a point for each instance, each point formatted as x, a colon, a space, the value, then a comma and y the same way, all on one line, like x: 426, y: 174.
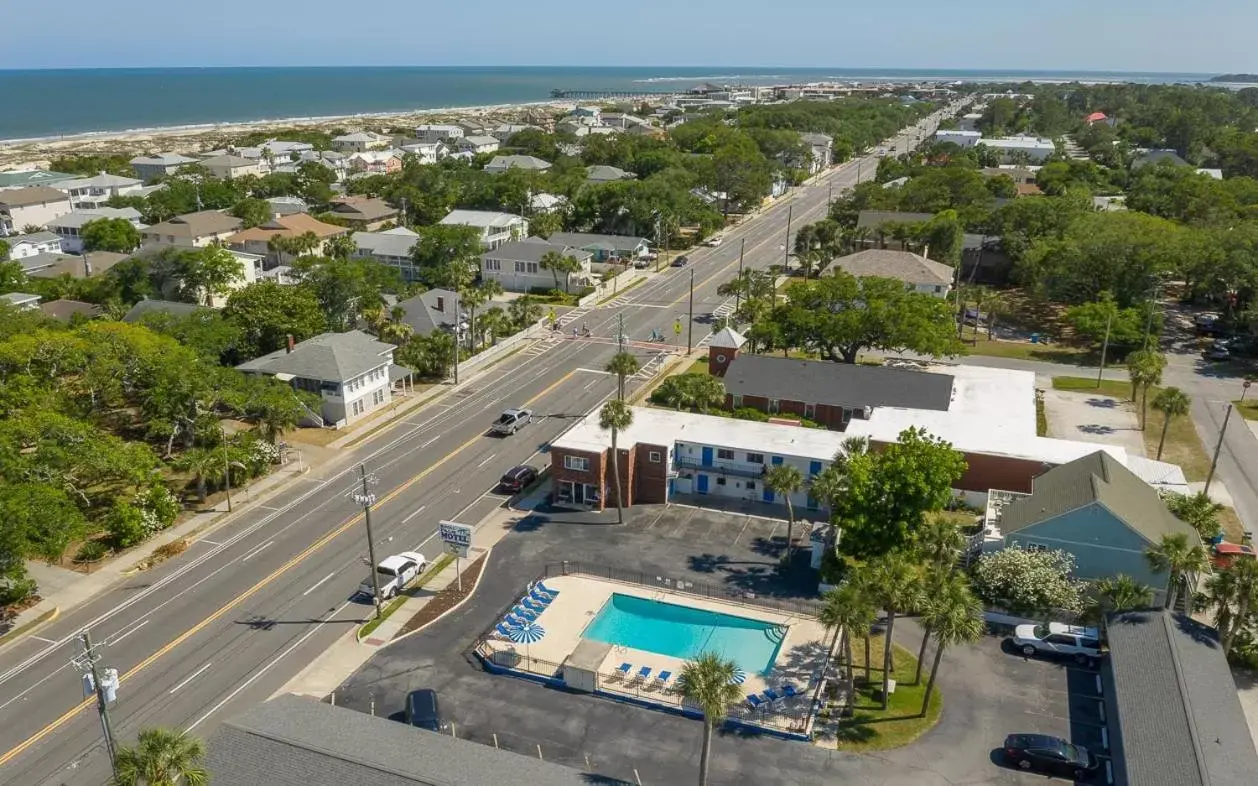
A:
x: 60, y: 102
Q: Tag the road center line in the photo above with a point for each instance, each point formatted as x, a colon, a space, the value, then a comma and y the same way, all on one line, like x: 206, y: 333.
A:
x: 253, y: 553
x: 119, y: 636
x: 318, y: 584
x: 486, y: 461
x: 195, y: 674
x: 429, y: 442
x: 418, y: 510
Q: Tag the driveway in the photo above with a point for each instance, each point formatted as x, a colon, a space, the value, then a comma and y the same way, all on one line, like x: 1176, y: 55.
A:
x: 1089, y: 417
x: 987, y: 693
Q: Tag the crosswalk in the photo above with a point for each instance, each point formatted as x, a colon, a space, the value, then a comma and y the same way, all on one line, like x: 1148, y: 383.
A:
x: 573, y: 315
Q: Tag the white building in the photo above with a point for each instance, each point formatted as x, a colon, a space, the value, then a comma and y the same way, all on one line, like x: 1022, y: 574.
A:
x: 69, y: 227
x: 90, y: 193
x: 1033, y: 149
x: 33, y: 206
x: 427, y: 152
x: 391, y: 247
x: 360, y: 142
x: 476, y: 145
x: 501, y: 164
x: 152, y: 167
x: 228, y: 166
x: 495, y: 228
x: 438, y: 132
x: 958, y: 137
x: 517, y: 265
x: 820, y: 149
x: 23, y: 246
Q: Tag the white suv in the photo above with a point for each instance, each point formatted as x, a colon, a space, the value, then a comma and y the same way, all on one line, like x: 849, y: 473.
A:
x: 394, y: 573
x: 1082, y: 644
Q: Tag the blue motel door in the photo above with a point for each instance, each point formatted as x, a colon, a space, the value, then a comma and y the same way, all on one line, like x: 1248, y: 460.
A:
x: 768, y: 495
x: 702, y: 483
x: 707, y: 459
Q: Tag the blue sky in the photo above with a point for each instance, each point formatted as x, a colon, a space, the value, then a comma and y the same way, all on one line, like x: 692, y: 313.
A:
x: 1133, y: 35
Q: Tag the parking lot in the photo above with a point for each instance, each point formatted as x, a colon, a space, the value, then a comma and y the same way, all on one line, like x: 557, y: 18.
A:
x: 988, y: 693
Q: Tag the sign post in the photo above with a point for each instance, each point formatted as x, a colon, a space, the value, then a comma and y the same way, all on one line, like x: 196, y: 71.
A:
x: 457, y: 539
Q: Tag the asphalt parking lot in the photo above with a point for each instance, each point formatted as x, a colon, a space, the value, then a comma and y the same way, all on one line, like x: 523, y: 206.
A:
x: 988, y: 693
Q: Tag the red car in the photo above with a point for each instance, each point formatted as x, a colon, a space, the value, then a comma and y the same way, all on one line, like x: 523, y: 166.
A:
x: 1226, y: 553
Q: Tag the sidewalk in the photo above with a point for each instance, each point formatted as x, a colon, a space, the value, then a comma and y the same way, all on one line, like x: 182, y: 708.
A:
x: 347, y: 654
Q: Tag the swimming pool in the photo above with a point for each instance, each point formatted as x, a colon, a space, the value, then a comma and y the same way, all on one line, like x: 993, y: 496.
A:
x: 684, y: 632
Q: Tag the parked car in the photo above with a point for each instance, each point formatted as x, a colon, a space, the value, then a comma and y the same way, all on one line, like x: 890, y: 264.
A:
x: 512, y: 421
x: 1207, y: 322
x: 394, y: 573
x: 1219, y: 350
x: 517, y: 478
x: 1082, y: 644
x: 681, y: 261
x: 422, y: 709
x: 642, y: 263
x: 1050, y: 755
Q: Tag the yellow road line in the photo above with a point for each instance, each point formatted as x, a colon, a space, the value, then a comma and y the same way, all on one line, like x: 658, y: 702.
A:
x: 195, y: 629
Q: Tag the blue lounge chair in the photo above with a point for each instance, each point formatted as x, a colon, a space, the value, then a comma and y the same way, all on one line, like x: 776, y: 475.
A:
x: 502, y: 630
x: 770, y: 695
x: 789, y: 691
x: 754, y: 702
x: 513, y: 621
x: 662, y: 679
x: 644, y: 673
x: 521, y: 611
x: 533, y: 605
x: 536, y: 590
x: 540, y: 597
x: 623, y: 670
x: 547, y: 590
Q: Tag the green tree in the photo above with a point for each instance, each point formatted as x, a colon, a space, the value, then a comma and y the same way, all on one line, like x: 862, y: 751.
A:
x: 495, y: 324
x: 1198, y: 511
x: 524, y: 311
x: 340, y: 246
x: 444, y: 244
x: 210, y: 272
x: 1094, y: 320
x: 1176, y: 556
x: 4, y: 250
x: 558, y: 263
x: 1120, y: 593
x: 954, y: 616
x: 44, y: 518
x: 616, y: 416
x: 1144, y: 367
x: 345, y: 287
x: 786, y: 480
x: 276, y: 407
x: 896, y: 583
x: 544, y: 225
x: 1172, y: 403
x: 162, y: 757
x: 840, y: 316
x: 266, y: 313
x: 473, y: 298
x: 1232, y: 594
x: 623, y: 365
x: 252, y: 211
x: 937, y: 546
x: 110, y: 234
x: 1027, y: 583
x: 203, y: 464
x: 707, y: 682
x: 851, y: 609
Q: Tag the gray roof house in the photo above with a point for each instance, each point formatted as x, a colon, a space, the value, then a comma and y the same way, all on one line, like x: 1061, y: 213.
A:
x: 1153, y: 157
x: 604, y: 246
x: 1172, y: 710
x: 435, y: 309
x: 158, y: 165
x: 64, y: 310
x: 391, y: 247
x: 516, y: 265
x: 503, y: 163
x: 300, y: 741
x: 1099, y: 511
x: 352, y: 372
x: 601, y: 173
x: 917, y: 272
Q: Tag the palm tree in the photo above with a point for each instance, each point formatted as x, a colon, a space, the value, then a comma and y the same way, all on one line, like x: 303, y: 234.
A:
x: 1145, y: 369
x: 1175, y: 556
x: 1172, y: 403
x: 495, y: 323
x: 1197, y: 511
x: 850, y: 608
x: 996, y: 304
x: 623, y: 364
x: 937, y: 545
x: 204, y: 464
x: 707, y: 682
x: 376, y: 317
x: 897, y: 585
x: 162, y: 757
x: 1120, y: 593
x: 525, y: 311
x: 1232, y: 593
x: 397, y: 333
x: 786, y: 480
x: 616, y: 416
x: 475, y: 297
x: 955, y: 616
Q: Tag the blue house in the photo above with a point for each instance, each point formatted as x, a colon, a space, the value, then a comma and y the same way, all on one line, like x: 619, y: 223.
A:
x: 1099, y: 511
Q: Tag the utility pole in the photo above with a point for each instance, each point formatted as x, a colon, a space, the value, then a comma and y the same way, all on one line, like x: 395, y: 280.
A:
x: 1218, y: 448
x: 690, y: 324
x: 367, y: 499
x: 89, y: 660
x: 1153, y: 304
x: 786, y: 249
x: 742, y: 246
x: 458, y: 328
x: 1104, y: 348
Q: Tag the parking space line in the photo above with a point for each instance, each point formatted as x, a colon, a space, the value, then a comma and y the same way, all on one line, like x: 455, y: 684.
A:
x: 746, y: 524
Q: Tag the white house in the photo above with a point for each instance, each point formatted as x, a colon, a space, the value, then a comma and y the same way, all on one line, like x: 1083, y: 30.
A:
x: 391, y: 247
x: 517, y: 265
x: 917, y: 272
x: 821, y: 150
x: 477, y: 145
x: 31, y: 206
x: 438, y: 132
x: 505, y: 131
x: 360, y: 142
x: 228, y: 166
x: 191, y: 230
x: 351, y: 372
x: 1034, y: 149
x: 69, y: 227
x: 495, y: 228
x: 958, y: 137
x: 23, y: 246
x: 427, y: 152
x: 152, y: 167
x: 93, y: 192
x: 501, y: 164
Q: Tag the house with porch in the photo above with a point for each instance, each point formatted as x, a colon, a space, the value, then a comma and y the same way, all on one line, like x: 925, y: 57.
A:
x: 501, y: 164
x: 23, y: 246
x: 70, y: 226
x: 32, y: 206
x: 258, y: 240
x: 918, y: 273
x: 391, y: 247
x: 820, y: 151
x: 229, y: 165
x: 91, y: 193
x: 604, y: 248
x: 495, y: 228
x: 191, y: 230
x: 158, y: 165
x: 360, y: 142
x: 364, y: 213
x: 478, y: 144
x: 517, y: 265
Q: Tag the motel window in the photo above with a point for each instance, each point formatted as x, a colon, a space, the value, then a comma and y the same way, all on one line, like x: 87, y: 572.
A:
x: 578, y: 463
x: 755, y: 458
x: 720, y: 481
x: 751, y: 485
x: 654, y: 457
x: 773, y: 406
x: 722, y: 453
x: 738, y: 400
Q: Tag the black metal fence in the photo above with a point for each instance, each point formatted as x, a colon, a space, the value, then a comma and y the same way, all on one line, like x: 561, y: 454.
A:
x: 799, y: 606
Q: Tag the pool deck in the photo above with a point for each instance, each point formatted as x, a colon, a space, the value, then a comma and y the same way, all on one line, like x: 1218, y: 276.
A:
x: 801, y: 655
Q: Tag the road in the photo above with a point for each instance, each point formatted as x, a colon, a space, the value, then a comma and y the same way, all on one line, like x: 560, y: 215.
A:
x: 233, y: 619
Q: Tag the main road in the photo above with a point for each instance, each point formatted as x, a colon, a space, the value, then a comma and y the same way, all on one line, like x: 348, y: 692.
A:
x: 244, y: 609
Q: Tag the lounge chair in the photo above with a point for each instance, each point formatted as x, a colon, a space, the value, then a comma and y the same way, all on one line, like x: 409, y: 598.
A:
x: 540, y: 597
x: 644, y: 674
x: 754, y: 702
x: 514, y: 621
x: 526, y: 613
x: 547, y: 590
x: 622, y: 671
x: 536, y: 590
x: 502, y: 630
x: 533, y: 605
x: 789, y: 691
x: 662, y: 679
x: 770, y: 695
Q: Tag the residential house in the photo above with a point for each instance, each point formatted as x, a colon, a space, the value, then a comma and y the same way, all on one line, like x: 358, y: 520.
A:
x: 150, y: 168
x: 917, y: 272
x: 820, y: 150
x: 435, y: 309
x: 299, y: 741
x: 91, y: 193
x: 257, y: 240
x: 392, y: 248
x: 588, y: 115
x: 1098, y: 511
x: 495, y: 228
x: 23, y: 178
x: 1157, y: 156
x: 501, y: 164
x: 1100, y: 117
x: 1172, y: 708
x: 364, y: 213
x: 436, y: 132
x: 1019, y: 174
x: 516, y: 265
x: 287, y: 205
x: 22, y: 301
x: 983, y: 260
x: 958, y: 137
x: 70, y: 226
x: 1028, y: 148
x: 57, y: 265
x: 228, y: 166
x: 604, y: 247
x: 32, y: 206
x: 22, y: 246
x: 360, y: 142
x: 600, y: 173
x: 666, y: 453
x: 376, y: 162
x: 191, y: 230
x: 426, y: 152
x: 546, y: 203
x: 67, y: 311
x: 172, y: 308
x: 622, y: 121
x: 1110, y: 204
x: 352, y: 373
x: 476, y: 145
x: 505, y: 131
x: 1028, y: 189
x: 874, y: 228
x: 1214, y: 174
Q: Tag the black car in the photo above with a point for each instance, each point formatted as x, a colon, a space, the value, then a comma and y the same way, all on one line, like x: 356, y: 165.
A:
x: 1050, y: 755
x: 517, y: 479
x: 681, y: 261
x: 422, y: 710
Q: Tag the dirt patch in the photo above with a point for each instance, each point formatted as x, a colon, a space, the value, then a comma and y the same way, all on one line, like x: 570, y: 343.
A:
x: 445, y: 600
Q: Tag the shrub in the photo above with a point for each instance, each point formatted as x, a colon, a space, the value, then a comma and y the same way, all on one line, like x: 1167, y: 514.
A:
x: 127, y: 524
x: 16, y: 589
x: 172, y: 549
x: 158, y: 501
x: 91, y: 551
x: 748, y: 413
x: 1028, y: 582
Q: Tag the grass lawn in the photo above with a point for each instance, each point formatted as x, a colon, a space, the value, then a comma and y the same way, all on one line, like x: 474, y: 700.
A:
x: 1114, y: 388
x: 394, y: 604
x: 872, y: 728
x: 1025, y: 350
x: 1247, y: 409
x: 700, y: 366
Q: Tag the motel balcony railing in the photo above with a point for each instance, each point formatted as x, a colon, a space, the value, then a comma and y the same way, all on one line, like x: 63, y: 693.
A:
x: 735, y: 470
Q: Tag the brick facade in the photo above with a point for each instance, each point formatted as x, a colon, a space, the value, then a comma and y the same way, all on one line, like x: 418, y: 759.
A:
x: 596, y: 476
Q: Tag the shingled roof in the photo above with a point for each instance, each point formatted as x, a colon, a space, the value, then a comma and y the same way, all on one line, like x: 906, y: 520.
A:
x: 837, y: 384
x: 902, y: 265
x: 334, y: 357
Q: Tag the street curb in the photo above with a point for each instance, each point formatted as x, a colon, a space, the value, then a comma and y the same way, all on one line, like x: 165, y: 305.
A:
x: 17, y: 634
x: 445, y: 613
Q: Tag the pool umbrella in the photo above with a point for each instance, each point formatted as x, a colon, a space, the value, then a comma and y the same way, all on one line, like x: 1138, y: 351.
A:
x: 739, y: 677
x: 526, y: 634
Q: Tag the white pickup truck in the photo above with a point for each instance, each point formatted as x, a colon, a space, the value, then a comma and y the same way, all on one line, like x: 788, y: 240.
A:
x: 394, y: 573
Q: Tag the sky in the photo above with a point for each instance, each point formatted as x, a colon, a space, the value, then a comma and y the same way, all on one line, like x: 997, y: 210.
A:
x: 1122, y: 35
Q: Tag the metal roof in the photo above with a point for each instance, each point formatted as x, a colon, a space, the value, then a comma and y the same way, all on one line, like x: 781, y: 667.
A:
x: 837, y: 384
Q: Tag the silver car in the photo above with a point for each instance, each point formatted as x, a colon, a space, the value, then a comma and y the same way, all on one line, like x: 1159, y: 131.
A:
x: 512, y: 421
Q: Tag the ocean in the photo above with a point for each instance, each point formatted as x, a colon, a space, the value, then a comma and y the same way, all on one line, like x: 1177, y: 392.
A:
x: 50, y: 103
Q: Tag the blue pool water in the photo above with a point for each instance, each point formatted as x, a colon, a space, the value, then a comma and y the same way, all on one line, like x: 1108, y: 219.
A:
x: 683, y: 632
